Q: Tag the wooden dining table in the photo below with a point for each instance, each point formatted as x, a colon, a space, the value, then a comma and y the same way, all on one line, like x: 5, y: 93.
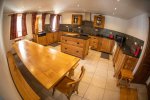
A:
x: 47, y: 65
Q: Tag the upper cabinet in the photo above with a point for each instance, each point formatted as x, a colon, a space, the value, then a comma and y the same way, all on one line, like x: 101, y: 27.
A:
x: 76, y: 19
x: 99, y: 21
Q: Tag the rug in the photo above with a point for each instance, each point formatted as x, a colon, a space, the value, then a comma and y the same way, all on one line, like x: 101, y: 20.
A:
x: 105, y: 55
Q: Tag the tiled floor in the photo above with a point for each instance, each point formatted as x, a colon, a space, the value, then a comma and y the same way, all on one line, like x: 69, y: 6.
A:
x: 98, y: 82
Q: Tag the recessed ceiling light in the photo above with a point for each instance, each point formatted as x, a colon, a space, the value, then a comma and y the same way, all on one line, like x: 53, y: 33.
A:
x: 118, y: 0
x: 78, y: 5
x: 115, y: 8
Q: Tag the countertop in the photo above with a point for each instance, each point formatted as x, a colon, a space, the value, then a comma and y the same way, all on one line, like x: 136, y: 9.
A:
x: 78, y: 36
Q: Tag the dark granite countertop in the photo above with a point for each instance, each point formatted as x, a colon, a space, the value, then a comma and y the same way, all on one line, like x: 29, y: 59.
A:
x: 78, y: 36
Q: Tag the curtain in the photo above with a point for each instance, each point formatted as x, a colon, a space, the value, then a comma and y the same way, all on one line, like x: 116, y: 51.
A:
x: 13, y: 27
x: 51, y: 20
x: 58, y: 22
x: 33, y: 22
x: 24, y: 28
x: 43, y: 20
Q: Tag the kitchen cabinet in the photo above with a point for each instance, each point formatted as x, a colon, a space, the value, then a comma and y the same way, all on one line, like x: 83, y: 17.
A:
x: 75, y: 46
x: 41, y: 39
x: 94, y: 42
x: 106, y: 45
x: 76, y: 19
x: 49, y: 38
x: 101, y: 44
x: 99, y: 21
x: 55, y: 37
x: 123, y: 61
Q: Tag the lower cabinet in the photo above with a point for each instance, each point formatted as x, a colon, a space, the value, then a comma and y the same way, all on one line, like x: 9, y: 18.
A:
x: 123, y: 61
x: 101, y: 44
x: 49, y: 38
x: 106, y: 45
x: 74, y: 46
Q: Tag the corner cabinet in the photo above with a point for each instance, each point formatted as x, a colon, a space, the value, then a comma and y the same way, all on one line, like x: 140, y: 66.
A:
x: 99, y: 21
x: 101, y: 44
x: 123, y: 61
x: 76, y: 19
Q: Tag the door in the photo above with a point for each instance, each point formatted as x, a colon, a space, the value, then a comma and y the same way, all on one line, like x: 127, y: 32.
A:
x: 143, y: 71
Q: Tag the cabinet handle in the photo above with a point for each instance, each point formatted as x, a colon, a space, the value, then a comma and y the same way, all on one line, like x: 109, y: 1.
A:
x: 65, y: 40
x: 77, y: 42
x: 77, y: 51
x: 65, y: 48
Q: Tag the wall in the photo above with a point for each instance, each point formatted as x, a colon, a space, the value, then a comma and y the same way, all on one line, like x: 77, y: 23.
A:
x: 112, y: 23
x: 7, y: 88
x: 6, y: 28
x: 139, y: 27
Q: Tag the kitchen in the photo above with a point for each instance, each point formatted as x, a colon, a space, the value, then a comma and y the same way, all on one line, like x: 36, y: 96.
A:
x: 101, y: 41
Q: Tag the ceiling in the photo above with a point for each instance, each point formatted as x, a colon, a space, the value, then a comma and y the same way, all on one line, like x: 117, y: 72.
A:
x: 124, y: 8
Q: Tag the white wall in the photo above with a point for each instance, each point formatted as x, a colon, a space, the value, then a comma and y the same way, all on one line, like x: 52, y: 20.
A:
x: 7, y: 88
x: 112, y: 23
x: 138, y: 26
x: 67, y: 17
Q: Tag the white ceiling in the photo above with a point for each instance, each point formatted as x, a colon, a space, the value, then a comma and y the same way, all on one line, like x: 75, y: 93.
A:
x: 125, y: 8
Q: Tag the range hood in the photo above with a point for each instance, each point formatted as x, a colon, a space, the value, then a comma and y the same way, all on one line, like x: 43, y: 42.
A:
x: 87, y: 16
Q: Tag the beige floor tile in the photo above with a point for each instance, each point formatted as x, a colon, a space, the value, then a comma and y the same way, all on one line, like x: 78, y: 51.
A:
x: 99, y: 81
x: 75, y: 97
x: 102, y: 65
x: 94, y: 93
x: 84, y: 99
x: 111, y: 84
x: 87, y: 77
x: 101, y: 72
x: 82, y: 88
x: 111, y: 95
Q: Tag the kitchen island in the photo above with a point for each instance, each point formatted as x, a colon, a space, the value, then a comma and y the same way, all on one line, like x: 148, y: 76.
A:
x: 75, y: 44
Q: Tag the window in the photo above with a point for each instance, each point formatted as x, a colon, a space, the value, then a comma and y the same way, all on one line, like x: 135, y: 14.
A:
x: 19, y: 25
x: 54, y: 24
x: 38, y: 25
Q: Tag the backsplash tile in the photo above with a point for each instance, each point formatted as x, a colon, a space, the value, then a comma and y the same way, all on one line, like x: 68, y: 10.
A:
x: 87, y: 27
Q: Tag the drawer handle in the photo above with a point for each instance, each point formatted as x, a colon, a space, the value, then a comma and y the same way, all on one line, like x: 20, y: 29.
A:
x: 65, y: 48
x: 65, y: 40
x: 77, y: 42
x: 77, y: 51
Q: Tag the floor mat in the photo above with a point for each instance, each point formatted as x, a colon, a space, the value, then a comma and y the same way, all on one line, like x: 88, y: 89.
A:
x: 104, y: 55
x: 128, y: 94
x: 54, y: 44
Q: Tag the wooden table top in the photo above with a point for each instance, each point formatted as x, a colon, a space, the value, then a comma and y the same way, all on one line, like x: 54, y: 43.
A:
x: 47, y: 65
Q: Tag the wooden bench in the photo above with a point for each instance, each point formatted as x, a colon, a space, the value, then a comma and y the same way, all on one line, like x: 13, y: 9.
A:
x: 22, y: 86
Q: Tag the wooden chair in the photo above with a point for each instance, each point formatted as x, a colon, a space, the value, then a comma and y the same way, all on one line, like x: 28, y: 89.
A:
x: 68, y: 86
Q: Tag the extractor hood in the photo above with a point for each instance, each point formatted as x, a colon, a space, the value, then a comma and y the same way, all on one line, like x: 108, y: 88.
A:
x: 87, y: 16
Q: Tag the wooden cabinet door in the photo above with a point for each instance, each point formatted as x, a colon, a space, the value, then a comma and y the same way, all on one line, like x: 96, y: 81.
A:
x: 107, y: 45
x: 55, y: 37
x: 49, y: 38
x: 42, y: 40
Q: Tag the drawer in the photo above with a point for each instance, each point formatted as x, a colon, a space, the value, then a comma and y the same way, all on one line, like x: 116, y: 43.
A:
x: 77, y: 51
x: 66, y: 48
x: 72, y: 50
x: 72, y: 41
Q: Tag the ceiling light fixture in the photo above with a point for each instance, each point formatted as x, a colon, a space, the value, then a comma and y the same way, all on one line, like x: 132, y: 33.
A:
x: 115, y: 8
x: 78, y: 5
x: 118, y: 0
